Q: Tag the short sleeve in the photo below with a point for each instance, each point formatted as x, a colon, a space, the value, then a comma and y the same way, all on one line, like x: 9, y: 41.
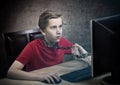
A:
x: 26, y: 54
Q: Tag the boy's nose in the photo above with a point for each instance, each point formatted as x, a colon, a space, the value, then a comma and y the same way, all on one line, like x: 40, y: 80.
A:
x: 58, y: 31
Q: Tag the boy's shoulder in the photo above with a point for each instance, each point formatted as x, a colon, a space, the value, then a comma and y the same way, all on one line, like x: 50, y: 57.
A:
x: 38, y: 41
x: 65, y: 42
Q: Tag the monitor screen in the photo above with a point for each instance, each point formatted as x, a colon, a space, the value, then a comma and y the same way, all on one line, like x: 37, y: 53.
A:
x: 105, y: 45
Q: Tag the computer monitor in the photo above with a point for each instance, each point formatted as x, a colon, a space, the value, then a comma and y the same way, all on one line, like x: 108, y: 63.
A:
x: 106, y: 47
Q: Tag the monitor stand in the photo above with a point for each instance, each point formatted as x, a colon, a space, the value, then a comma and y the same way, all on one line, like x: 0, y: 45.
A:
x: 111, y: 81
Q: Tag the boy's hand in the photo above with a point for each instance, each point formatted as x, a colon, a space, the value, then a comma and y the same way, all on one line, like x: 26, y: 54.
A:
x: 50, y: 78
x: 78, y: 50
x: 75, y: 50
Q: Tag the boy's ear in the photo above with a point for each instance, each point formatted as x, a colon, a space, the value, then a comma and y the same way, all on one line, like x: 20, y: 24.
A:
x: 43, y: 33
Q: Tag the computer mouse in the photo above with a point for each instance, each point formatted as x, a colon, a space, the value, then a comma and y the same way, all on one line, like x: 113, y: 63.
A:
x: 56, y: 81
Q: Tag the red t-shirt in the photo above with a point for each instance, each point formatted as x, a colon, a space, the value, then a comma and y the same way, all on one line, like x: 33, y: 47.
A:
x: 37, y: 55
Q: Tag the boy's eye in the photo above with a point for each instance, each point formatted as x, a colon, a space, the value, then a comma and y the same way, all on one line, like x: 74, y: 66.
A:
x: 53, y: 27
x: 60, y: 26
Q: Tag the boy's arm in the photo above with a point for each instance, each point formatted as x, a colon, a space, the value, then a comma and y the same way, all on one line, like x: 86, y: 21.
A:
x: 81, y: 54
x: 16, y: 72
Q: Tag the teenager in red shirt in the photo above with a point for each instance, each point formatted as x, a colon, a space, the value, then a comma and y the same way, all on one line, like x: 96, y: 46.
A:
x: 44, y: 52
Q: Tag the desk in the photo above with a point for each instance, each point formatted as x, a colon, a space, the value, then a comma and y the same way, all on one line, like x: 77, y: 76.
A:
x: 61, y: 69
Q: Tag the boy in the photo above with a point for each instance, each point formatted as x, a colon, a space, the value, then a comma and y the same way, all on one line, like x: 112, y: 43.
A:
x: 47, y: 51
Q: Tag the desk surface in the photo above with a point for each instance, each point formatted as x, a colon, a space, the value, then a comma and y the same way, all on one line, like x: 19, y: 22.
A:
x: 61, y: 69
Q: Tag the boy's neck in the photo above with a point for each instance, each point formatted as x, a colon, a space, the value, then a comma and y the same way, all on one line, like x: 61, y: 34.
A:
x: 48, y: 43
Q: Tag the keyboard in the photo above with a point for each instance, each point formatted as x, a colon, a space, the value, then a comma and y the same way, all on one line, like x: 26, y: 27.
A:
x: 78, y: 75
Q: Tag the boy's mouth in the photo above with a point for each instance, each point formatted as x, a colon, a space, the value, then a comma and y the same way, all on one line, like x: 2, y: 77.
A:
x: 58, y: 37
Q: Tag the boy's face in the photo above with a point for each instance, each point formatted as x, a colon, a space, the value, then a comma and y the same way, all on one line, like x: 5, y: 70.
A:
x: 53, y: 31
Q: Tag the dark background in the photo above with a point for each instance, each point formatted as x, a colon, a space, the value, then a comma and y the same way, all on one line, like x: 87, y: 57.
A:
x: 16, y: 15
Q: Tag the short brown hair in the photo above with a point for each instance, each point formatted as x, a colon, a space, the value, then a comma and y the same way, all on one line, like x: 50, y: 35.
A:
x: 45, y: 16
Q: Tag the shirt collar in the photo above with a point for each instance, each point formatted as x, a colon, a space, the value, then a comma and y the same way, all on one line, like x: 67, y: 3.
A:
x: 55, y: 45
